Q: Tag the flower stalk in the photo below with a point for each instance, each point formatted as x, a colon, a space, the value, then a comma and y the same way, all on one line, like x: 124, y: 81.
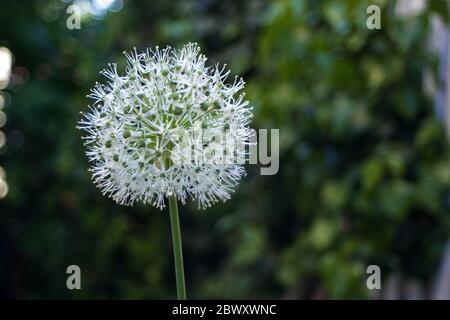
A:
x: 177, y: 247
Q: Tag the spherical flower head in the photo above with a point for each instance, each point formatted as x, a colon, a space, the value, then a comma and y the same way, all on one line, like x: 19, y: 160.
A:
x: 147, y: 130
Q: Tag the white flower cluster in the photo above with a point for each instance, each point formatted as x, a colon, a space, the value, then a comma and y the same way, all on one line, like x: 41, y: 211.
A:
x: 132, y: 131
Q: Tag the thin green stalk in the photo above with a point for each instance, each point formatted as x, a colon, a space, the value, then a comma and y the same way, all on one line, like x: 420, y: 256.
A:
x: 177, y: 247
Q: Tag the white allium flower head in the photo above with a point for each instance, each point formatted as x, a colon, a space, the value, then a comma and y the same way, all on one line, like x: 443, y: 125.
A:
x: 134, y: 128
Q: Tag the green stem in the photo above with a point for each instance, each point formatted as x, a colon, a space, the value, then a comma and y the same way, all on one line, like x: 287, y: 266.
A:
x: 177, y: 248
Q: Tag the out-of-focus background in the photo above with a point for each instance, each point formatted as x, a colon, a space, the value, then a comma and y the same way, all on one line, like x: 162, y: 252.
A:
x: 364, y: 152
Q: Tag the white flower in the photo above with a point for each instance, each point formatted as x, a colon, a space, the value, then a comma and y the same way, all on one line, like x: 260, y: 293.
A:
x: 142, y: 123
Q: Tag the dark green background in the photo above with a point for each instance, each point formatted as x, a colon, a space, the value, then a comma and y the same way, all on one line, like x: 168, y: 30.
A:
x: 364, y: 161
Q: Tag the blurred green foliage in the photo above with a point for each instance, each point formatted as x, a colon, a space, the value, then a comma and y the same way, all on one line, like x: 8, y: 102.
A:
x: 364, y: 163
